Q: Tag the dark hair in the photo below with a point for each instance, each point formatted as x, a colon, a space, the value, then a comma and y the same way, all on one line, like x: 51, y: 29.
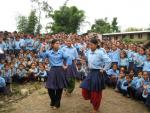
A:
x: 95, y: 41
x: 54, y: 41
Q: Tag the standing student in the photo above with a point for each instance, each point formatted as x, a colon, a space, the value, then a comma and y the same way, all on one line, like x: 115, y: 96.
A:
x: 94, y: 83
x: 56, y: 76
x: 71, y: 71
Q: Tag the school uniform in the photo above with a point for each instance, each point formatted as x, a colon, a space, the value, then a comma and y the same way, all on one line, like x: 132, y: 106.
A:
x: 130, y: 55
x: 139, y: 61
x: 147, y: 103
x: 56, y: 80
x: 33, y: 74
x: 115, y: 57
x: 124, y: 63
x: 119, y: 83
x: 112, y: 77
x: 94, y: 83
x: 2, y: 85
x: 71, y: 71
x: 29, y: 44
x: 42, y: 75
x: 11, y: 45
x: 124, y: 87
x: 21, y: 76
x: 146, y: 67
x: 17, y: 47
x: 3, y: 48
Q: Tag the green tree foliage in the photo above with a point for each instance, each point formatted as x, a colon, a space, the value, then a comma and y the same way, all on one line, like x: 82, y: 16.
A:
x: 103, y: 26
x: 32, y: 21
x: 114, y: 25
x: 67, y: 19
x: 22, y: 24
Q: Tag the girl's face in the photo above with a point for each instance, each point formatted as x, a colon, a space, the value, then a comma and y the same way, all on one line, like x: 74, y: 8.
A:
x: 148, y: 57
x: 69, y: 43
x: 56, y: 45
x: 42, y: 68
x: 145, y: 76
x: 115, y: 67
x: 33, y: 66
x: 141, y: 51
x: 122, y: 55
x: 140, y: 74
x: 7, y: 67
x: 93, y: 46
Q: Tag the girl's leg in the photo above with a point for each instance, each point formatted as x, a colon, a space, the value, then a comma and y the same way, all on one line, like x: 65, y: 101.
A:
x: 51, y: 93
x: 58, y: 97
x: 86, y: 94
x: 96, y: 99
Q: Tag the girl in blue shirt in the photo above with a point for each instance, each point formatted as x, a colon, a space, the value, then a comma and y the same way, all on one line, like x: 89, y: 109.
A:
x: 94, y: 83
x: 56, y: 76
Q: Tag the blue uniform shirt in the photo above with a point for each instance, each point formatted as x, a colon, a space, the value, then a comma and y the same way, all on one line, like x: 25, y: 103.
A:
x: 72, y: 54
x: 55, y: 58
x: 146, y: 66
x: 98, y: 60
x: 2, y: 82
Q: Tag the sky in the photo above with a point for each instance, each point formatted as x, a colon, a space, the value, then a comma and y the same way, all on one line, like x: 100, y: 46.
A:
x: 130, y: 13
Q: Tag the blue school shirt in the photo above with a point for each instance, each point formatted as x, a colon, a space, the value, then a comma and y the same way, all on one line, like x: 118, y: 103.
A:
x: 3, y: 46
x: 29, y: 44
x: 111, y: 72
x: 124, y: 62
x: 2, y: 82
x: 134, y: 82
x: 56, y: 58
x: 17, y: 44
x: 42, y: 73
x: 98, y: 60
x: 141, y: 60
x: 11, y: 44
x: 146, y: 66
x: 139, y: 83
x: 71, y: 52
x: 130, y: 55
x: 124, y: 85
x: 115, y: 56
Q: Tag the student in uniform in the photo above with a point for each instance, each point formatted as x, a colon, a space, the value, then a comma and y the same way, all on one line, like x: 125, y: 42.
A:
x: 56, y: 76
x: 71, y: 71
x: 2, y: 84
x: 94, y: 83
x: 113, y: 76
x: 42, y: 74
x: 146, y: 66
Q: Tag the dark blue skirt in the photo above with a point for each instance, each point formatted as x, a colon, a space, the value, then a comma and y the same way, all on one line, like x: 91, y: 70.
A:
x: 56, y: 78
x: 148, y: 101
x: 95, y: 81
x: 71, y: 71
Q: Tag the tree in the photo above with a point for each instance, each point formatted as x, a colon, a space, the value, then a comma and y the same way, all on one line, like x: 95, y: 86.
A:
x: 101, y: 26
x: 114, y: 26
x: 32, y: 21
x: 22, y: 24
x: 67, y: 19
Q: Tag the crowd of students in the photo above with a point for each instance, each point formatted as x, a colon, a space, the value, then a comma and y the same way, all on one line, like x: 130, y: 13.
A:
x: 25, y: 59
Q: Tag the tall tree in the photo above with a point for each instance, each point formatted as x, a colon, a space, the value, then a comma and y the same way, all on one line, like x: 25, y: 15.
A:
x: 114, y: 25
x: 32, y: 21
x: 101, y: 26
x: 67, y: 19
x: 22, y: 23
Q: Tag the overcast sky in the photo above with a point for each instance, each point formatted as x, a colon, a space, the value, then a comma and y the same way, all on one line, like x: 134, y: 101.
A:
x: 135, y: 13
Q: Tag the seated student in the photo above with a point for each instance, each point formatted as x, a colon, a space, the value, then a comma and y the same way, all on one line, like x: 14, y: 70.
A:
x: 80, y: 71
x: 146, y: 66
x: 112, y: 76
x: 42, y: 74
x: 125, y: 84
x: 21, y: 74
x: 143, y: 83
x: 33, y: 72
x: 121, y: 78
x: 7, y: 75
x: 47, y: 65
x: 2, y: 84
x: 147, y: 93
x: 134, y: 84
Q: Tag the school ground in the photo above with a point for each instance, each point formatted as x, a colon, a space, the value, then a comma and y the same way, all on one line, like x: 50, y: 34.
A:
x: 38, y: 102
